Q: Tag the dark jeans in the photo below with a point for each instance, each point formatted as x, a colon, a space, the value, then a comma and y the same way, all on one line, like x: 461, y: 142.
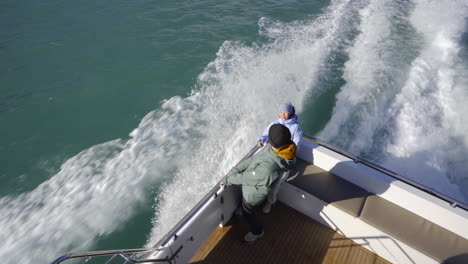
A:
x: 256, y: 226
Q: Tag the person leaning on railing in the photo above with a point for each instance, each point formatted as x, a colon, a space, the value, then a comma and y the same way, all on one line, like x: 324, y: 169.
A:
x: 287, y: 117
x: 258, y: 174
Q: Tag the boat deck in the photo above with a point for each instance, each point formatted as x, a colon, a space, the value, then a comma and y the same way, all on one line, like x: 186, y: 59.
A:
x: 290, y: 237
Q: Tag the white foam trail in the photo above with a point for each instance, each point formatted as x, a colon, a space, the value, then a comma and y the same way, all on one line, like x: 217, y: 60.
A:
x: 372, y: 73
x: 430, y: 139
x: 241, y: 91
x: 97, y: 190
x: 400, y: 97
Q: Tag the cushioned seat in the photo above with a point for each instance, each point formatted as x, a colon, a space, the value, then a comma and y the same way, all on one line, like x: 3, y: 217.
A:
x: 414, y: 230
x: 419, y: 233
x: 328, y: 187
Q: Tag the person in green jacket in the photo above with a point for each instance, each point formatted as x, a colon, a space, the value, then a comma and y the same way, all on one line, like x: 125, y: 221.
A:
x: 258, y: 173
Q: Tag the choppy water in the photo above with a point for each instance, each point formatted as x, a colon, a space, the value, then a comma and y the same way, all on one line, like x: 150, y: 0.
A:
x: 117, y: 116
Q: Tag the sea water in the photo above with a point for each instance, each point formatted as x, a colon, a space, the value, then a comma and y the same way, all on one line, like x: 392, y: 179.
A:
x: 118, y: 116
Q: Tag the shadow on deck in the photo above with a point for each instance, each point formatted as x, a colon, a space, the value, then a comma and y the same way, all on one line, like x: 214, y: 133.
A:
x: 290, y: 237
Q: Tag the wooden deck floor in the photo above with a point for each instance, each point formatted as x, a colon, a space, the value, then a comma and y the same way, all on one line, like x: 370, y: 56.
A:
x: 290, y: 237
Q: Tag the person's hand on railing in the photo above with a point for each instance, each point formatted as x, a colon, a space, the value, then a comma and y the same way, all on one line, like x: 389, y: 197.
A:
x: 222, y: 183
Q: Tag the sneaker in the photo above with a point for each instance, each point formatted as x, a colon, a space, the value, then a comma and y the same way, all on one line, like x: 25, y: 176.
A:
x: 250, y: 237
x: 238, y: 211
x: 267, y: 207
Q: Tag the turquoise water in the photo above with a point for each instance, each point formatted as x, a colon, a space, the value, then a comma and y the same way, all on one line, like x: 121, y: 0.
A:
x: 116, y: 116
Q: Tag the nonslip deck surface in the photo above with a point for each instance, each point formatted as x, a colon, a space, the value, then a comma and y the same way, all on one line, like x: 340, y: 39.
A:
x: 290, y: 237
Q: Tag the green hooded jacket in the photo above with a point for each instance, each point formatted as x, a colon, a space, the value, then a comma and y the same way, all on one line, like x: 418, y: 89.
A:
x: 258, y: 173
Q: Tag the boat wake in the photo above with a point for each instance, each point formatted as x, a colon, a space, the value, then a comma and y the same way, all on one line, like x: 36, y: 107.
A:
x: 97, y: 190
x: 401, y: 104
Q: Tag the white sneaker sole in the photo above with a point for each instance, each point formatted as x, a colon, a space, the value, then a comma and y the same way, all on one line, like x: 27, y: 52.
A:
x: 256, y: 238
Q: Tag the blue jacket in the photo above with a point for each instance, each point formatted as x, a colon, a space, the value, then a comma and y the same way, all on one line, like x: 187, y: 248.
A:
x: 294, y: 128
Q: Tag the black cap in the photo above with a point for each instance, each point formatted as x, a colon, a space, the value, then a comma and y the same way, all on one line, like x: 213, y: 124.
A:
x: 279, y: 135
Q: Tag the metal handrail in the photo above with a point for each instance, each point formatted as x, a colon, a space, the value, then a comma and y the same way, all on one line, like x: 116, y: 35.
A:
x: 453, y: 202
x: 123, y: 253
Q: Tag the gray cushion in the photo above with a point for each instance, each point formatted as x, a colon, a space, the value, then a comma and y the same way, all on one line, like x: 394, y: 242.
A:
x: 328, y: 187
x: 419, y: 233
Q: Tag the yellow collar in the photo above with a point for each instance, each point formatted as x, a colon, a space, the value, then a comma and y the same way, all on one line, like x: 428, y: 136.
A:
x: 286, y: 151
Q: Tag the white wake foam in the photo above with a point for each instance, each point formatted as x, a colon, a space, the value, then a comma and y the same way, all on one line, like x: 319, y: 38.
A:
x: 404, y: 91
x: 373, y: 74
x: 430, y: 139
x: 97, y: 190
